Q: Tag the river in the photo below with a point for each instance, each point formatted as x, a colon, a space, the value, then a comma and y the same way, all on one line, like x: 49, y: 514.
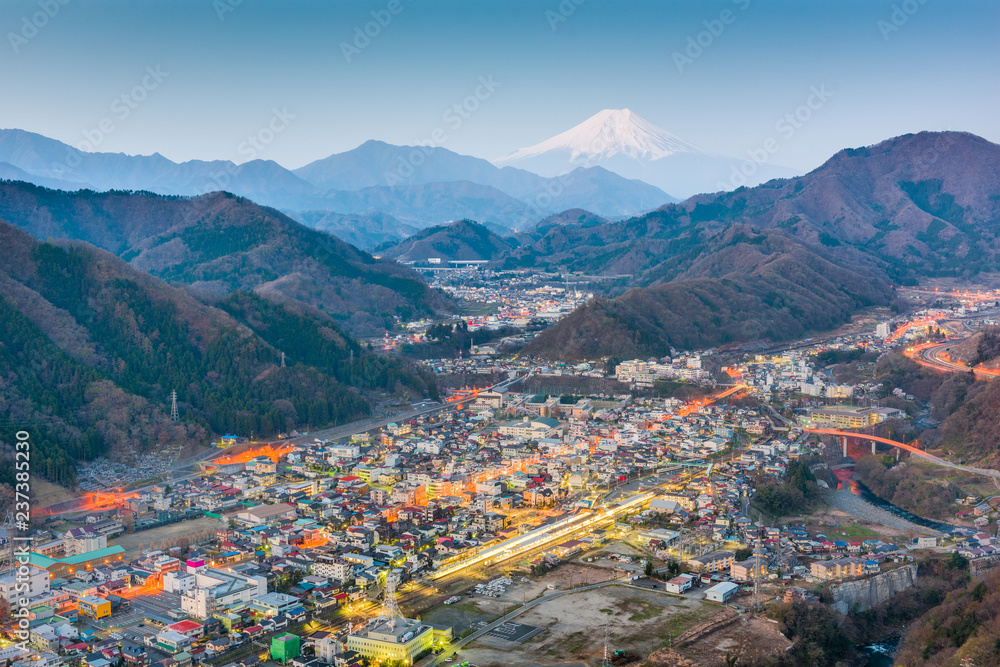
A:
x: 866, y: 494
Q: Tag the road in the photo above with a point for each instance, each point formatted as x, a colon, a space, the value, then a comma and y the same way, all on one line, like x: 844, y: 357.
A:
x: 932, y: 356
x: 191, y: 466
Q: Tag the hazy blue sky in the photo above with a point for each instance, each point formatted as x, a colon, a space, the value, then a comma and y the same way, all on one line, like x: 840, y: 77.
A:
x: 226, y: 65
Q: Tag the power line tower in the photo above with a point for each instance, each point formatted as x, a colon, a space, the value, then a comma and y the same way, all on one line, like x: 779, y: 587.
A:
x: 174, y: 414
x: 282, y: 359
x: 7, y: 561
x: 390, y: 607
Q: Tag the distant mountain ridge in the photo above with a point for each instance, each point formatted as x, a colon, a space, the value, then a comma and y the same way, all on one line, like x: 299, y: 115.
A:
x: 416, y: 185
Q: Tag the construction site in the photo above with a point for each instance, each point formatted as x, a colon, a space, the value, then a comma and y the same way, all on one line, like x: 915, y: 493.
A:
x: 623, y: 624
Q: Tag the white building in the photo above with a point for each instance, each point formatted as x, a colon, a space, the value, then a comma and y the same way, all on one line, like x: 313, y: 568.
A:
x: 721, y: 592
x: 178, y: 582
x: 217, y: 589
x: 81, y: 540
x: 38, y: 584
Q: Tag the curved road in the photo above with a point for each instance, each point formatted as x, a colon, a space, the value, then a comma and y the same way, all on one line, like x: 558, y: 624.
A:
x: 930, y: 356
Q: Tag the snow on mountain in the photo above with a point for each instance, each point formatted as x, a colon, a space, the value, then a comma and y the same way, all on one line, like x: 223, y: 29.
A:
x: 608, y: 133
x: 623, y: 142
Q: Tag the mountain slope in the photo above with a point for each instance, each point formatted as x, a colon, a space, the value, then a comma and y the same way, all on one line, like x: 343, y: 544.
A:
x: 219, y: 243
x: 905, y: 208
x: 774, y: 287
x: 623, y: 142
x: 362, y: 230
x: 927, y: 202
x: 90, y: 349
x: 461, y: 240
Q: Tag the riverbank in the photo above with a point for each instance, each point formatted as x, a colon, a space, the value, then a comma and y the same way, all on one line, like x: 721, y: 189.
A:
x: 845, y: 500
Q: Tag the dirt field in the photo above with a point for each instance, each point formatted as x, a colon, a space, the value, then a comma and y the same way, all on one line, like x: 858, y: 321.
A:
x: 164, y: 534
x: 47, y: 493
x: 755, y: 639
x: 639, y: 621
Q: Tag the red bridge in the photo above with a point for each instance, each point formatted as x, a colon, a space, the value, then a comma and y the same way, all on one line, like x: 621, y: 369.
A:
x: 844, y: 435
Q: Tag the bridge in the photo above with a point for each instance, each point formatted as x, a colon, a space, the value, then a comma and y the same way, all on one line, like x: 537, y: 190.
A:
x: 844, y: 435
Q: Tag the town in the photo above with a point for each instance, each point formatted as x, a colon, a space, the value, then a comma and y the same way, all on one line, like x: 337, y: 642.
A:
x: 309, y: 550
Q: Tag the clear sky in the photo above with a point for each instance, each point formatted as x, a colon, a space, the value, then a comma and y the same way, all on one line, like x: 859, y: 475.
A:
x: 225, y: 66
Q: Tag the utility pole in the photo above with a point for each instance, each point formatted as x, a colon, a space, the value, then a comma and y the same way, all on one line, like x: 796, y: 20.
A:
x: 607, y: 657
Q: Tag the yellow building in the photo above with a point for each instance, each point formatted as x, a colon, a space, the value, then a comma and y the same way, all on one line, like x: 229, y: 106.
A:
x: 93, y: 607
x: 405, y: 640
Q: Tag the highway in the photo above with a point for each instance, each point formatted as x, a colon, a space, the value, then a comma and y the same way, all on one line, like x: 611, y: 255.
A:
x: 931, y: 356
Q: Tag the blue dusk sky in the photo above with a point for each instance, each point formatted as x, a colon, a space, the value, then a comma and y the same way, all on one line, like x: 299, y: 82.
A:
x: 193, y: 78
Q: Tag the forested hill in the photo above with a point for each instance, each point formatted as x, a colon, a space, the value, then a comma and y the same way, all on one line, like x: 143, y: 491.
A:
x: 765, y: 285
x: 218, y: 243
x: 91, y: 348
x: 460, y: 240
x: 781, y: 259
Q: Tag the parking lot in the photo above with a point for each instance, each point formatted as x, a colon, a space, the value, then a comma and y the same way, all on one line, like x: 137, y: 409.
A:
x: 128, y: 621
x: 515, y: 632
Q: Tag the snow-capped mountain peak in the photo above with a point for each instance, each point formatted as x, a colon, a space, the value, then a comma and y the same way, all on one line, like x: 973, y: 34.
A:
x: 608, y: 133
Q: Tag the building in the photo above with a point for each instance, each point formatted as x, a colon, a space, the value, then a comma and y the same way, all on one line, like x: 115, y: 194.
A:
x: 491, y: 399
x: 274, y: 604
x: 94, y: 607
x: 285, y: 647
x: 679, y: 584
x: 178, y: 582
x: 664, y: 536
x: 403, y: 640
x: 717, y: 561
x: 837, y: 568
x: 267, y: 514
x: 842, y: 416
x: 188, y: 628
x: 135, y: 655
x: 721, y: 592
x: 217, y: 589
x: 540, y: 427
x: 65, y: 568
x: 83, y: 539
x: 744, y: 569
x: 37, y: 580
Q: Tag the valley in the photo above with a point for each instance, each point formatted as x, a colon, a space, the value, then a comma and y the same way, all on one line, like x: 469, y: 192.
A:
x: 561, y: 334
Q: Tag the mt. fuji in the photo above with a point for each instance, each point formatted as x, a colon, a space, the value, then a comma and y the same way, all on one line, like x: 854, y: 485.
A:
x: 623, y: 142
